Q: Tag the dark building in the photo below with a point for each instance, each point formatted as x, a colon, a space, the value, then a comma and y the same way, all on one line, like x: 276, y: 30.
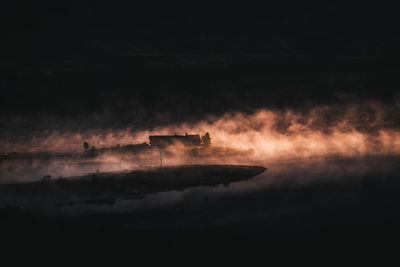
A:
x: 167, y: 140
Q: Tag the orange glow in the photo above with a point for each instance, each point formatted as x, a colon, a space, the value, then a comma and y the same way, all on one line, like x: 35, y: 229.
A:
x: 264, y: 137
x: 301, y: 136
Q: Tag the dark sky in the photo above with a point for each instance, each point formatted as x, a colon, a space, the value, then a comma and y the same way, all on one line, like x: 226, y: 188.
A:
x: 127, y: 63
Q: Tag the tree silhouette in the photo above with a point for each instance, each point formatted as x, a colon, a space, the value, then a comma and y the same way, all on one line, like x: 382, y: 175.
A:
x: 206, y: 139
x: 86, y: 146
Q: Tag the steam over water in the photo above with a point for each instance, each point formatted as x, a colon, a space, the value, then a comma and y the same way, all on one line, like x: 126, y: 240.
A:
x: 263, y: 136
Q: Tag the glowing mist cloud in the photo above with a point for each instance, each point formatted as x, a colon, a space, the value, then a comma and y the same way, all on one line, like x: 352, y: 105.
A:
x: 264, y: 137
x: 302, y: 136
x: 324, y: 130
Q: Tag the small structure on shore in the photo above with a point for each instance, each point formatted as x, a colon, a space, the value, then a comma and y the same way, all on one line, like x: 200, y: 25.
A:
x: 156, y: 141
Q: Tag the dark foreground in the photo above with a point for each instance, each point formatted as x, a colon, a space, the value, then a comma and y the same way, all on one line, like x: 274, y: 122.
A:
x: 105, y: 188
x: 340, y: 200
